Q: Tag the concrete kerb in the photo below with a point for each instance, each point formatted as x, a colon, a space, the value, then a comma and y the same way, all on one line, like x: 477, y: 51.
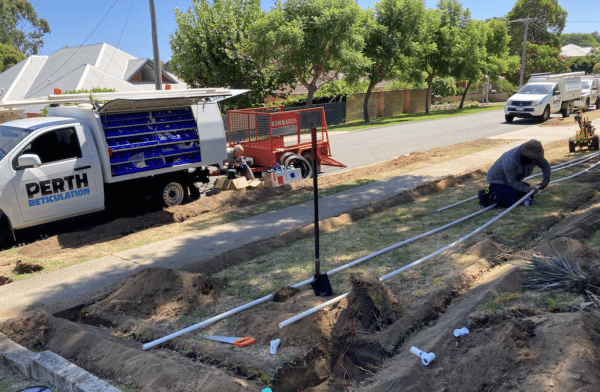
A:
x: 49, y: 369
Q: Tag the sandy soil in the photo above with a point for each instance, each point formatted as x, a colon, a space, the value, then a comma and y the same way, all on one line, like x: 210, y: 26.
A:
x: 361, y: 343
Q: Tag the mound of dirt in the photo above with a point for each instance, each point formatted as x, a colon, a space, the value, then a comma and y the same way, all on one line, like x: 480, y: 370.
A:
x: 158, y: 292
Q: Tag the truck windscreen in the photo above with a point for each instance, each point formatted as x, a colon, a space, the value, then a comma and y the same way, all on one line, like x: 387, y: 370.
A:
x: 10, y: 137
x: 536, y: 89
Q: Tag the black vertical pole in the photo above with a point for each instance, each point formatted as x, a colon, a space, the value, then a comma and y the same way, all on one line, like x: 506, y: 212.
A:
x: 321, y: 285
x: 313, y: 131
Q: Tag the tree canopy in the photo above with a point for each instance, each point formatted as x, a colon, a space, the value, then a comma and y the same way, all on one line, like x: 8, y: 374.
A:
x: 392, y: 35
x: 20, y: 27
x: 549, y: 24
x: 311, y: 41
x: 579, y: 39
x: 9, y: 56
x: 209, y: 49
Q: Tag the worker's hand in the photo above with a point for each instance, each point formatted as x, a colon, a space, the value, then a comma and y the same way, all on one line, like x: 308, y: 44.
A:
x: 542, y: 185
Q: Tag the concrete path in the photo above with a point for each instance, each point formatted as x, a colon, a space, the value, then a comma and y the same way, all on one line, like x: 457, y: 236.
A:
x: 67, y: 286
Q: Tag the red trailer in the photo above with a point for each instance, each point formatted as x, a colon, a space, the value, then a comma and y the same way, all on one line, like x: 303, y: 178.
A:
x: 273, y: 136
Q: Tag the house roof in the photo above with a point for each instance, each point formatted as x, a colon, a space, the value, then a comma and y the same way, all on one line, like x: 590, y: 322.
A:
x: 572, y: 50
x: 86, y: 67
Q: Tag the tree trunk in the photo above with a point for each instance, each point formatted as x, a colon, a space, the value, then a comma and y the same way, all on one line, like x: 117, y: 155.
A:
x: 462, y: 101
x: 366, y: 103
x: 428, y: 98
x: 311, y: 92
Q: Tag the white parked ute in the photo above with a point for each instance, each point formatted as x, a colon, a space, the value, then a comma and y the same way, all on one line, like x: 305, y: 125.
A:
x: 155, y: 144
x: 590, y: 90
x: 545, y: 94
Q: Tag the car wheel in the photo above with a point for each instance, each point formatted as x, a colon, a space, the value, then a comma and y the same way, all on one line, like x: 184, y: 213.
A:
x: 509, y: 117
x: 171, y: 192
x: 567, y: 111
x: 597, y: 103
x: 571, y: 144
x: 595, y: 142
x: 587, y: 105
x: 545, y: 115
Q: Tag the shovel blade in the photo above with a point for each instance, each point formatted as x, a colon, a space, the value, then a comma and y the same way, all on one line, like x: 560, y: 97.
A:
x: 321, y: 286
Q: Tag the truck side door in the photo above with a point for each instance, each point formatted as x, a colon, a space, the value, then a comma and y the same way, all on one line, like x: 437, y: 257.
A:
x: 556, y: 98
x: 65, y: 184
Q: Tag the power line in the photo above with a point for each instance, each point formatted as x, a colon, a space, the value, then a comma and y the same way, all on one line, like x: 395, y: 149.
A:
x: 79, y: 47
x: 118, y: 42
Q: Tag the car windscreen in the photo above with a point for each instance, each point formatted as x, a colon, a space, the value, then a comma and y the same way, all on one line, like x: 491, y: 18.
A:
x: 10, y: 137
x: 536, y: 89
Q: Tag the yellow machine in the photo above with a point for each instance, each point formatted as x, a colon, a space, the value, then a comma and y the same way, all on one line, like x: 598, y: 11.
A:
x: 585, y: 137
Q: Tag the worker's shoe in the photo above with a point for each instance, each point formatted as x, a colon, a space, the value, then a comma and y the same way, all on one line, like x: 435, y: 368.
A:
x: 484, y: 200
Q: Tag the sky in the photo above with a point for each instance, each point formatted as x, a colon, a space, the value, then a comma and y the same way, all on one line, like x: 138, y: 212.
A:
x: 125, y: 24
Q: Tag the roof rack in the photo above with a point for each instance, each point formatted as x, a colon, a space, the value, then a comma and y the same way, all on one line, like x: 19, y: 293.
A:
x: 213, y: 93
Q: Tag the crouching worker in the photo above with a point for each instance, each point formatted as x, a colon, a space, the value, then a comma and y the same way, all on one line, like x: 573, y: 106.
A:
x: 236, y: 160
x: 505, y: 184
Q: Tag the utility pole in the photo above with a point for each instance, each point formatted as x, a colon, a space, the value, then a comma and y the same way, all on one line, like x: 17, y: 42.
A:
x: 157, y: 72
x: 526, y: 22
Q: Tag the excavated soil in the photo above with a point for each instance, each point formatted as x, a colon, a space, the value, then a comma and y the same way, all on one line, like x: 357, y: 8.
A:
x: 360, y: 343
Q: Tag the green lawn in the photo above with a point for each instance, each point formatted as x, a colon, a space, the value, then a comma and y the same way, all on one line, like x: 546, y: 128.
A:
x: 411, y: 117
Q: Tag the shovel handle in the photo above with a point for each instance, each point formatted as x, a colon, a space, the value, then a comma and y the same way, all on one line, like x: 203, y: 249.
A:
x: 243, y: 342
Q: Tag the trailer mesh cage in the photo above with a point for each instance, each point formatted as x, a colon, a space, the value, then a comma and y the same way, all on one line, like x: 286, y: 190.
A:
x: 267, y: 133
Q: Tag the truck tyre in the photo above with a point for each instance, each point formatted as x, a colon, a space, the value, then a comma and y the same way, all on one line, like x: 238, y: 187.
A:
x: 572, y: 144
x: 597, y: 103
x: 566, y: 112
x: 509, y: 117
x: 172, y: 192
x: 587, y: 105
x: 546, y: 115
x: 595, y: 142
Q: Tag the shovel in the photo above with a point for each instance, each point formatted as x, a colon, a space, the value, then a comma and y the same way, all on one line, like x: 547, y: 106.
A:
x: 240, y: 342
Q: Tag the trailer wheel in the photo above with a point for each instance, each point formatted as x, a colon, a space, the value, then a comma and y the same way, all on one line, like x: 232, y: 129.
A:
x: 308, y: 156
x: 172, y: 192
x: 284, y: 156
x: 299, y: 162
x: 571, y: 144
x: 566, y: 112
x: 595, y: 142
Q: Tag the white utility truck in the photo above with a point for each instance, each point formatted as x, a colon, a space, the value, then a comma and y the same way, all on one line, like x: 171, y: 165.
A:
x: 590, y: 90
x: 545, y: 94
x: 155, y: 143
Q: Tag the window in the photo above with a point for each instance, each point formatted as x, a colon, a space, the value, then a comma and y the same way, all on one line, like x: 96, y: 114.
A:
x: 55, y: 146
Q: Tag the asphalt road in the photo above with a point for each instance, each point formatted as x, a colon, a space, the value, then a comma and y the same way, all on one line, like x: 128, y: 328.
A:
x: 361, y: 148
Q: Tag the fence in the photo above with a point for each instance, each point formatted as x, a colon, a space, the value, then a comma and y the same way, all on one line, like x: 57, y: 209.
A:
x: 335, y: 112
x: 500, y: 97
x: 385, y: 103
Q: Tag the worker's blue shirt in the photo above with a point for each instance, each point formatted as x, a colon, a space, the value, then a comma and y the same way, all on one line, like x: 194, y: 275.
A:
x: 510, y: 170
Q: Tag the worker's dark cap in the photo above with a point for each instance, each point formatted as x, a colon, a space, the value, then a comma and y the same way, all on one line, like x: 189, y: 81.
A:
x: 532, y: 149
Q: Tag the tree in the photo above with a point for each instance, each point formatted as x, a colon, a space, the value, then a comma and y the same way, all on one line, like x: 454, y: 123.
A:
x: 596, y: 69
x: 9, y: 56
x: 579, y: 39
x: 208, y: 49
x: 391, y: 36
x: 549, y: 24
x: 587, y: 62
x: 311, y: 41
x: 441, y: 36
x: 20, y: 27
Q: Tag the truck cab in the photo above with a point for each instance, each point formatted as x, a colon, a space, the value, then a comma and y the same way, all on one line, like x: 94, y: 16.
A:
x: 590, y: 91
x: 49, y: 170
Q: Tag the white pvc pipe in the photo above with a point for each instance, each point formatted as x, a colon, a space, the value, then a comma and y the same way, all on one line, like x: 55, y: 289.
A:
x: 394, y: 273
x: 206, y: 322
x: 307, y: 281
x: 558, y: 167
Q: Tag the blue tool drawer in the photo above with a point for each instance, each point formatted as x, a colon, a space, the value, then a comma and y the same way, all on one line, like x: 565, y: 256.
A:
x: 150, y: 140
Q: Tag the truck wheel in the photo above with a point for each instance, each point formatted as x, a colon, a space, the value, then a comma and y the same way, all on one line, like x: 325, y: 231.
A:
x: 566, y: 112
x: 587, y: 105
x: 595, y: 142
x: 598, y: 103
x: 171, y: 192
x: 572, y: 144
x: 509, y: 117
x: 546, y: 115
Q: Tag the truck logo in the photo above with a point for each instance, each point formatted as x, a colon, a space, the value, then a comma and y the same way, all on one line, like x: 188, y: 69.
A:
x: 57, y: 189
